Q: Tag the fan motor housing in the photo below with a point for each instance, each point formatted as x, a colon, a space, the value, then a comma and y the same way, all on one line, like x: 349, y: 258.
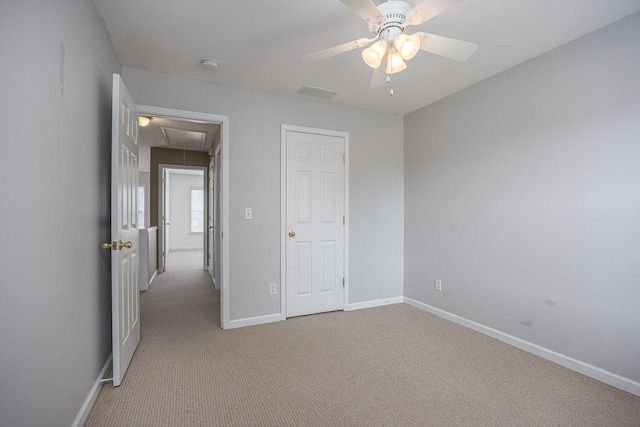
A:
x: 395, y: 13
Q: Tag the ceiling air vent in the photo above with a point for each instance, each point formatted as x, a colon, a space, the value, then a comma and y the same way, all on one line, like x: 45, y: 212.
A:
x: 317, y: 92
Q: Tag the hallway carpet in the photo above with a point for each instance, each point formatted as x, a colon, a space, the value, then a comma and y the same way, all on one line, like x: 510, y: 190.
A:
x: 387, y: 366
x: 185, y: 260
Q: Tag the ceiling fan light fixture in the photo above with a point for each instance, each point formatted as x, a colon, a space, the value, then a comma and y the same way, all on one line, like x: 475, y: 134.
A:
x: 395, y: 63
x: 407, y: 45
x: 374, y: 54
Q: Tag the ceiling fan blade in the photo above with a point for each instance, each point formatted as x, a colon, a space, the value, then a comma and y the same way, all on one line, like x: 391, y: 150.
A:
x: 365, y: 9
x: 444, y: 46
x: 429, y: 9
x: 337, y: 50
x: 379, y: 77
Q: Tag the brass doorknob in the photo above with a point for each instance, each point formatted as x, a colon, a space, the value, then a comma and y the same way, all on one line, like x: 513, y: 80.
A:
x: 127, y: 245
x: 107, y: 246
x: 292, y: 233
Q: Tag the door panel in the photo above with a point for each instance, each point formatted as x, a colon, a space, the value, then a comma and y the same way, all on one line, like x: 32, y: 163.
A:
x: 124, y: 230
x: 314, y: 255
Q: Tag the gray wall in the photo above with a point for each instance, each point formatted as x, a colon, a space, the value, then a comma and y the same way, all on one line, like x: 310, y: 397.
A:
x: 522, y: 195
x: 55, y: 297
x: 376, y: 186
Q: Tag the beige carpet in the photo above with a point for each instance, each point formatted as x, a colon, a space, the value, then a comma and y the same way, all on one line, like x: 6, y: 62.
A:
x: 185, y: 260
x: 388, y: 366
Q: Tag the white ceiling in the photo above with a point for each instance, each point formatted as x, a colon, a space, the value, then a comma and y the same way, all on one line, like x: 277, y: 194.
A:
x: 259, y: 43
x: 178, y: 134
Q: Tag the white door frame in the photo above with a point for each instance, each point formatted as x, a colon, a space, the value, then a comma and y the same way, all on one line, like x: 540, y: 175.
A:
x: 217, y: 158
x: 283, y: 208
x: 210, y: 218
x: 162, y: 167
x: 224, y: 123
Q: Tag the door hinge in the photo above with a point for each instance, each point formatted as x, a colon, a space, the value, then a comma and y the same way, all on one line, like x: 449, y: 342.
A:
x: 163, y: 253
x: 344, y: 220
x: 164, y: 181
x: 344, y: 157
x: 343, y: 282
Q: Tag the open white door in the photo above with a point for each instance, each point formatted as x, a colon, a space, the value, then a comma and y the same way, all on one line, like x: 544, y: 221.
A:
x: 314, y: 219
x: 124, y: 230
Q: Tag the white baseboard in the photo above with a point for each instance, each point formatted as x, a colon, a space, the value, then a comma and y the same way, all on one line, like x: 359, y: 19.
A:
x: 81, y: 418
x: 591, y: 371
x: 252, y: 321
x: 155, y: 273
x: 373, y: 303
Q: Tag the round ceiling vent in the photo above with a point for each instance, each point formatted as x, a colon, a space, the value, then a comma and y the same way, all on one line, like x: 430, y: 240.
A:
x: 209, y: 64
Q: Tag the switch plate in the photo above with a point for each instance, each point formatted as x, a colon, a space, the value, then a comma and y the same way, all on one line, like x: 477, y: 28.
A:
x: 438, y: 285
x: 248, y: 213
x: 273, y: 288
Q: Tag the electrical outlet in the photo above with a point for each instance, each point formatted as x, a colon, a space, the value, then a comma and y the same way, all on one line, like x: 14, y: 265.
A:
x: 438, y: 285
x: 273, y: 288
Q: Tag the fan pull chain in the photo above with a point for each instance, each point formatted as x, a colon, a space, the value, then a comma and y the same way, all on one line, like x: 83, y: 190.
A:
x: 388, y: 79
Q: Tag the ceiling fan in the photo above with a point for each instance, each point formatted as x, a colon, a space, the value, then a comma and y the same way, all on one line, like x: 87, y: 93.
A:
x: 388, y: 23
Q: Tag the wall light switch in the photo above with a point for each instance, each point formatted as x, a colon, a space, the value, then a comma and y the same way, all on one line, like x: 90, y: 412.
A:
x: 248, y: 213
x: 438, y: 285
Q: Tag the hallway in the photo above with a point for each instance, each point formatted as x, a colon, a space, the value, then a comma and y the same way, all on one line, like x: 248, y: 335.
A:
x: 184, y: 260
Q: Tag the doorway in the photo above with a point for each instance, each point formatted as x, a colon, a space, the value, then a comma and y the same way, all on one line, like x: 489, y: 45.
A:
x: 183, y: 239
x: 223, y: 206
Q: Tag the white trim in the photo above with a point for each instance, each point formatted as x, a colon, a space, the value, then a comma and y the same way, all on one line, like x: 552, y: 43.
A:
x: 82, y: 416
x: 224, y: 212
x: 283, y: 208
x: 155, y: 273
x: 591, y: 371
x: 283, y: 222
x: 373, y: 303
x: 347, y: 219
x: 252, y: 321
